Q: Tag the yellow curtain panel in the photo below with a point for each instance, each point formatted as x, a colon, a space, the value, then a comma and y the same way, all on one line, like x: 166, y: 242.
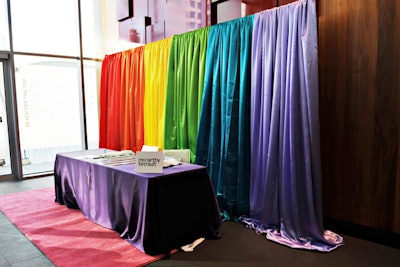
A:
x: 156, y: 57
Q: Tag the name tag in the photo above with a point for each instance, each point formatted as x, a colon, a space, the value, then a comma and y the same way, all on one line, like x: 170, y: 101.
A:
x: 149, y: 162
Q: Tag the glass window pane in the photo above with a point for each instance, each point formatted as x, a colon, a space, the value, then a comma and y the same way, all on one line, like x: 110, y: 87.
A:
x: 45, y: 26
x: 91, y: 28
x: 92, y: 71
x: 49, y: 109
x: 4, y: 40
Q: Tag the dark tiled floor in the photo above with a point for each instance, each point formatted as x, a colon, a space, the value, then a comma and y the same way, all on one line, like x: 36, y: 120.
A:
x: 237, y: 247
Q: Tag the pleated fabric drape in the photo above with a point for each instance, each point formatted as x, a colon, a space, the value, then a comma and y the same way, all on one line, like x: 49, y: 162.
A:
x: 243, y: 97
x: 285, y: 191
x: 156, y: 56
x: 103, y: 100
x: 110, y: 102
x: 121, y: 100
x: 133, y: 123
x: 223, y: 143
x: 185, y: 90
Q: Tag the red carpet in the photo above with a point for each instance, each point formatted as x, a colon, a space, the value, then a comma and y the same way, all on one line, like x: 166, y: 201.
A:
x: 65, y: 235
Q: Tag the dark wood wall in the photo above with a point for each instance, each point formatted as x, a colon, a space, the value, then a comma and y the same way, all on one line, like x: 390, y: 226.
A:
x: 359, y: 46
x: 359, y: 81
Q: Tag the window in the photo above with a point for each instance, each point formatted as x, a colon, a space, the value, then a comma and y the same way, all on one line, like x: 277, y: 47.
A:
x: 92, y: 83
x: 45, y: 26
x: 4, y: 39
x: 49, y: 109
x: 56, y: 89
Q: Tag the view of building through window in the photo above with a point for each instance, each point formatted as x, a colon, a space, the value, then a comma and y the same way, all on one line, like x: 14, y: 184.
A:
x: 56, y: 90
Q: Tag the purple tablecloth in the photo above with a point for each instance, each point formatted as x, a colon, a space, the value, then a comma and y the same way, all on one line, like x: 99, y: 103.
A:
x: 154, y: 212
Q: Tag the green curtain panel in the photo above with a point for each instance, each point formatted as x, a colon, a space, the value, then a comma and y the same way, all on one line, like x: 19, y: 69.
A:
x: 185, y: 89
x: 223, y: 143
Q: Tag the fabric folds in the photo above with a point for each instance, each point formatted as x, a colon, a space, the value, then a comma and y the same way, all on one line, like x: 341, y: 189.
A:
x: 223, y: 143
x: 133, y: 124
x: 243, y: 97
x: 156, y: 70
x: 121, y: 100
x: 110, y: 102
x: 185, y: 90
x: 285, y: 190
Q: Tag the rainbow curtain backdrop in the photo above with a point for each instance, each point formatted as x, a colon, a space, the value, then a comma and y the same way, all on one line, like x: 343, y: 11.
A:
x: 243, y: 97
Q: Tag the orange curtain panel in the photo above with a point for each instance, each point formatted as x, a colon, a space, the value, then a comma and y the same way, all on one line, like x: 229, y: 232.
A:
x: 132, y: 125
x: 156, y: 56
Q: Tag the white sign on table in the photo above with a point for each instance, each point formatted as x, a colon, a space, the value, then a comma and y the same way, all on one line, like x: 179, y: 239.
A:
x: 149, y: 162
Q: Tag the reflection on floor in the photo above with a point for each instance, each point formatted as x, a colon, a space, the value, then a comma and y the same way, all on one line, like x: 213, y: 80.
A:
x: 29, y: 169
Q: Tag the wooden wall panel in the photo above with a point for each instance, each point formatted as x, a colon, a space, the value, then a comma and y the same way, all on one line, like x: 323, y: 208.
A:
x: 360, y: 111
x: 359, y: 107
x: 284, y: 2
x: 255, y: 6
x: 387, y: 112
x: 396, y: 220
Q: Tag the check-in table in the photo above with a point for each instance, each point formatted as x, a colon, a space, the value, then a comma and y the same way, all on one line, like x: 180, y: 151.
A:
x: 155, y: 212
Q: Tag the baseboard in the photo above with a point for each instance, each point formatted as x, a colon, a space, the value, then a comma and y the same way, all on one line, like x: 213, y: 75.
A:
x: 379, y: 236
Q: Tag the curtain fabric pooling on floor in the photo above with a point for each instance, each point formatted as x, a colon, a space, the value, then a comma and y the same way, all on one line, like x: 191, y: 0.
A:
x: 285, y: 191
x: 243, y: 97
